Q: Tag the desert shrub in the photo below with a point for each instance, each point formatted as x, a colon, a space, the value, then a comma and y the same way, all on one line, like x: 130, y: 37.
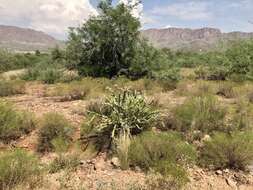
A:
x: 156, y: 181
x: 168, y: 79
x: 233, y: 151
x: 202, y: 88
x: 71, y: 91
x: 211, y: 72
x: 126, y: 112
x: 250, y: 96
x: 50, y: 75
x: 69, y: 162
x: 141, y: 85
x: 200, y: 113
x: 201, y: 72
x: 240, y: 119
x: 217, y: 72
x: 53, y: 127
x: 18, y: 167
x: 149, y: 150
x: 14, y: 124
x: 240, y: 58
x: 164, y: 153
x: 122, y: 148
x: 226, y: 90
x: 96, y: 106
x: 8, y: 88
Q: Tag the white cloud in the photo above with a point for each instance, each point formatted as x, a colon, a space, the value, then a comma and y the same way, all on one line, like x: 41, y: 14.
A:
x: 191, y: 10
x: 51, y: 16
x: 168, y: 26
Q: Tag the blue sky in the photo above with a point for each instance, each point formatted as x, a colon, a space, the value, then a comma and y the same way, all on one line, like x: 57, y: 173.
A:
x: 228, y: 15
x: 55, y: 16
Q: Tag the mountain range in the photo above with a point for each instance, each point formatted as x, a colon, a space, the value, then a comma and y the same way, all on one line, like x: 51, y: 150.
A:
x: 26, y: 40
x: 192, y: 39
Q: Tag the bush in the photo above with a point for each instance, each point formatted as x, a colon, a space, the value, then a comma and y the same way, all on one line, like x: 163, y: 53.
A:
x: 157, y: 181
x: 250, y: 96
x: 70, y: 92
x: 53, y: 128
x: 226, y: 90
x: 168, y: 79
x: 203, y: 88
x: 8, y: 88
x: 69, y: 162
x: 200, y: 113
x: 233, y: 151
x: 18, y: 167
x: 211, y: 72
x: 14, y: 124
x: 122, y: 148
x: 126, y: 113
x: 50, y: 75
x: 151, y: 150
x: 241, y: 119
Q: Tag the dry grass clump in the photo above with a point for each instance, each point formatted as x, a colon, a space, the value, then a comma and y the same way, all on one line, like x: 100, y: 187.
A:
x: 68, y: 162
x: 55, y: 133
x: 226, y: 89
x: 14, y: 124
x: 18, y: 167
x: 204, y: 114
x: 8, y: 88
x: 70, y: 92
x: 250, y: 96
x: 165, y: 153
x: 233, y: 151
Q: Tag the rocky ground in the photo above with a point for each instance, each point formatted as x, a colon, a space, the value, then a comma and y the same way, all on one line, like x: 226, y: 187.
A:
x: 100, y: 172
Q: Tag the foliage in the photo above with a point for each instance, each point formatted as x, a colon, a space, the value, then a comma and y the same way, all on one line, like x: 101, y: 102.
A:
x: 72, y: 91
x: 240, y: 56
x: 106, y: 43
x: 10, y: 61
x: 14, y: 124
x: 122, y: 148
x: 156, y: 181
x: 124, y: 113
x: 18, y: 167
x: 250, y: 96
x: 233, y: 151
x: 241, y: 120
x: 8, y: 88
x: 151, y: 150
x: 200, y: 113
x: 69, y: 162
x: 50, y: 75
x: 226, y: 90
x: 53, y: 127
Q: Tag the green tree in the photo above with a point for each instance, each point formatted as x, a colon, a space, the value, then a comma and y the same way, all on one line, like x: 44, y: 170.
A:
x: 106, y: 43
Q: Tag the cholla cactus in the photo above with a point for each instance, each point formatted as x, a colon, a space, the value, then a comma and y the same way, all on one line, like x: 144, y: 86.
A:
x: 128, y: 113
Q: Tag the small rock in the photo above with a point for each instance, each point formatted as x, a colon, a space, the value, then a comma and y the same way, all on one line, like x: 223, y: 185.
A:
x: 218, y: 172
x: 99, y: 165
x: 231, y: 183
x: 206, y: 138
x: 226, y: 171
x: 115, y: 162
x: 89, y: 162
x: 137, y: 169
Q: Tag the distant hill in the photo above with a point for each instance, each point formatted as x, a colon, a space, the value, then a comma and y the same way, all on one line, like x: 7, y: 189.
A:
x: 26, y: 40
x: 192, y: 39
